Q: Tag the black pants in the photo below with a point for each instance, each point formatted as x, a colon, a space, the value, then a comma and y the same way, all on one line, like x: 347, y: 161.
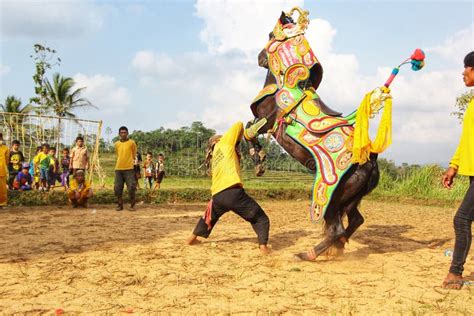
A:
x: 128, y: 177
x: 11, y: 178
x: 243, y: 205
x: 462, y: 228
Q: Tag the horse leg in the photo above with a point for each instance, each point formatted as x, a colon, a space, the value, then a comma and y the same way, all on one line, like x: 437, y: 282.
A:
x: 334, y: 232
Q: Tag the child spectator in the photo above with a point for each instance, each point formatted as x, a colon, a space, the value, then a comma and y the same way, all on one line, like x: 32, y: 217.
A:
x: 23, y: 179
x: 160, y: 170
x: 79, y: 191
x: 34, y: 168
x: 149, y: 170
x: 53, y: 168
x: 136, y: 168
x: 44, y: 162
x: 79, y: 156
x: 65, y: 163
x: 16, y: 160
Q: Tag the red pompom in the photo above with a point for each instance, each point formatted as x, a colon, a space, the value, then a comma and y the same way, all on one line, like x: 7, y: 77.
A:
x: 418, y: 54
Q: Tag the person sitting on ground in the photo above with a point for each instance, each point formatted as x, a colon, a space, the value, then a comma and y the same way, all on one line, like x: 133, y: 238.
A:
x: 462, y: 163
x: 227, y: 189
x: 23, y: 179
x: 79, y: 191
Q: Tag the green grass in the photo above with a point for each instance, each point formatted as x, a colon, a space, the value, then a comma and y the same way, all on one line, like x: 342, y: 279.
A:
x: 418, y: 185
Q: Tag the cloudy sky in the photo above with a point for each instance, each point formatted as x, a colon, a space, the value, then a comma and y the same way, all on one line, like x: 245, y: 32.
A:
x: 148, y: 64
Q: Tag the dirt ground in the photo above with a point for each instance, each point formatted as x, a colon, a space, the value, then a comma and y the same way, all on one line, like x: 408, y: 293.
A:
x: 101, y: 261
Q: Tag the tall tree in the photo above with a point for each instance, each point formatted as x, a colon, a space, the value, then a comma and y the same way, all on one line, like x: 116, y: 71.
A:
x: 13, y: 122
x: 62, y: 98
x: 461, y: 104
x: 45, y: 59
x: 13, y: 105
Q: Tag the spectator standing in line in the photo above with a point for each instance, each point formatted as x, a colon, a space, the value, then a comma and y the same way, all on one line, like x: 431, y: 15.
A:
x: 44, y: 162
x: 65, y: 163
x: 160, y: 170
x: 79, y: 156
x: 15, y: 163
x: 136, y: 167
x: 4, y: 159
x: 34, y: 168
x: 53, y: 168
x: 126, y: 151
x: 149, y: 170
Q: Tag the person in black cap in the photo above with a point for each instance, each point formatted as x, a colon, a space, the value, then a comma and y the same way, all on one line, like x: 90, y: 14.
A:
x: 463, y: 163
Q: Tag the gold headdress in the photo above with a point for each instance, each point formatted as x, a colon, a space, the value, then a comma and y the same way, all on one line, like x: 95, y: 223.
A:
x: 281, y: 33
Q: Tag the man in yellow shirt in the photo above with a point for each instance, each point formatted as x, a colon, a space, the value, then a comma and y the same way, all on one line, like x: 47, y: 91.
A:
x: 79, y: 191
x: 126, y: 151
x: 463, y: 163
x: 227, y: 189
x: 4, y: 160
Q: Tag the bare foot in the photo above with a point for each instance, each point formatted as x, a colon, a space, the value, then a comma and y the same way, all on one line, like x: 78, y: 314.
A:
x: 265, y: 250
x: 453, y: 282
x: 192, y: 240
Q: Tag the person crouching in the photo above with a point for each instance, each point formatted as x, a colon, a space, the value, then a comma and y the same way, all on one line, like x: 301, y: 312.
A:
x: 227, y: 189
x: 79, y: 191
x: 23, y: 179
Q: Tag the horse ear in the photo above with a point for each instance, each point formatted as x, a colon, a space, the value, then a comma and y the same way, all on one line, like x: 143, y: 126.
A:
x: 283, y: 18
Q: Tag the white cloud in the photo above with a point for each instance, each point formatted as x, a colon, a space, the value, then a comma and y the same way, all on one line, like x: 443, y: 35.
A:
x: 46, y: 19
x: 239, y: 25
x: 104, y: 92
x: 148, y: 63
x: 455, y: 47
x: 217, y: 87
x: 4, y: 70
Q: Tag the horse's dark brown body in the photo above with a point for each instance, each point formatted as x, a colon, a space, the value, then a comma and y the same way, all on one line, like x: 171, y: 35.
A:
x: 357, y: 182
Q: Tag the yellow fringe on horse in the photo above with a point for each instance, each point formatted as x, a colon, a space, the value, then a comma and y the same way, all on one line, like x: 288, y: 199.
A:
x: 363, y: 145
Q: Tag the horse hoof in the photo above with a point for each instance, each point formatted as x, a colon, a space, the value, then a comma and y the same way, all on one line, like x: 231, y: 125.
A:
x: 304, y: 256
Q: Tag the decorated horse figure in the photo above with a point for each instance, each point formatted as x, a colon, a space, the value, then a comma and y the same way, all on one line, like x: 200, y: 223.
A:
x: 335, y: 148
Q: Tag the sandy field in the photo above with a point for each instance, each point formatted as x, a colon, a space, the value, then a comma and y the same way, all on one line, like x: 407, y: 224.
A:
x: 99, y: 261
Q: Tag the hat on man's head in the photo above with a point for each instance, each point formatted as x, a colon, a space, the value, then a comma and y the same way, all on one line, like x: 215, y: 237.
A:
x: 25, y: 166
x: 469, y: 60
x: 79, y: 171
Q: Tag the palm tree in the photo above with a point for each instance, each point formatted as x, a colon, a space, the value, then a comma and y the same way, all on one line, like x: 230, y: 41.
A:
x: 13, y: 105
x: 62, y: 100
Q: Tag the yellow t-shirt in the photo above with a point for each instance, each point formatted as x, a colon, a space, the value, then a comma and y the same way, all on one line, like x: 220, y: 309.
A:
x: 225, y: 161
x: 126, y: 152
x: 73, y: 185
x: 463, y: 158
x: 4, y: 159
